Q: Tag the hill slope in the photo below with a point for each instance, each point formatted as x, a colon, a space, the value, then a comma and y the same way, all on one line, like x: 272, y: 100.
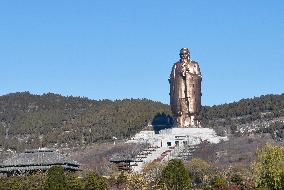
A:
x: 264, y: 114
x: 28, y: 120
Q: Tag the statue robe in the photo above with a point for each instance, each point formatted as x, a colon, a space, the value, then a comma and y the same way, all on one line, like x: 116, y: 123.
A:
x: 185, y: 92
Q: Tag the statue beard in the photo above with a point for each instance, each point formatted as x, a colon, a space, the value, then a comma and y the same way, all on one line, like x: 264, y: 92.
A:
x: 184, y: 60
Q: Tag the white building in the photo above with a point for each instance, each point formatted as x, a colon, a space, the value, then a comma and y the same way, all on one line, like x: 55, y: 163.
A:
x: 170, y: 143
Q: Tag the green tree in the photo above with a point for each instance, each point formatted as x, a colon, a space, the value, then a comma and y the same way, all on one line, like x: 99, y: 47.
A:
x: 121, y: 181
x: 74, y: 182
x: 175, y: 176
x: 200, y: 171
x: 269, y: 167
x: 152, y: 175
x: 95, y: 182
x: 218, y: 183
x: 236, y: 179
x: 56, y: 179
x: 136, y: 182
x: 34, y: 182
x: 13, y: 183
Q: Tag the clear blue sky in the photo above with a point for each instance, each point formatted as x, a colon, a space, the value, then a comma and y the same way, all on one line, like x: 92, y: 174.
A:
x: 125, y: 49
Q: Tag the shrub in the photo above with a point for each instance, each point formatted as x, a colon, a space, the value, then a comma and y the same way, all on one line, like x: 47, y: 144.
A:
x: 95, y: 182
x: 74, y: 182
x: 136, y: 182
x: 121, y: 180
x: 218, y: 183
x: 269, y: 167
x: 56, y: 179
x: 200, y: 171
x: 236, y: 179
x: 175, y: 176
x: 152, y: 175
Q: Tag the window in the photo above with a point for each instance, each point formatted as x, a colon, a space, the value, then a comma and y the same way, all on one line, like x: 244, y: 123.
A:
x: 169, y: 144
x: 177, y: 143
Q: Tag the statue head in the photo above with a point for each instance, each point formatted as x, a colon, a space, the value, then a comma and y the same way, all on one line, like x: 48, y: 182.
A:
x: 184, y: 54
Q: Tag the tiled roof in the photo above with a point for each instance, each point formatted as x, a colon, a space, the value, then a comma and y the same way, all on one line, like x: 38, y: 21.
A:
x: 121, y: 158
x: 38, y: 159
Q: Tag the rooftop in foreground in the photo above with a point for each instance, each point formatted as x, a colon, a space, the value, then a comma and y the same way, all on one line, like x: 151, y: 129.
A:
x: 34, y: 160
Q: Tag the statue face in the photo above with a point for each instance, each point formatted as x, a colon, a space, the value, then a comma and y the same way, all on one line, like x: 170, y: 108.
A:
x: 184, y: 55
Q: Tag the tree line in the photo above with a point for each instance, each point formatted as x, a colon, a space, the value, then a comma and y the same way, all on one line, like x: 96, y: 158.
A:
x: 30, y: 121
x: 265, y: 173
x: 262, y: 113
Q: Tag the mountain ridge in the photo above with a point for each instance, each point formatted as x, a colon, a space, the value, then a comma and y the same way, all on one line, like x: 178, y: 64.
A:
x: 29, y: 121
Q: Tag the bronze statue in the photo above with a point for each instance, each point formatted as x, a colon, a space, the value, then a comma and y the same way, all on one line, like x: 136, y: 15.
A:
x: 185, y: 91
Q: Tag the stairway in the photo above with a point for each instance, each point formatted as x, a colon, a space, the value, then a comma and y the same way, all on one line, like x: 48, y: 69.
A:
x: 151, y: 154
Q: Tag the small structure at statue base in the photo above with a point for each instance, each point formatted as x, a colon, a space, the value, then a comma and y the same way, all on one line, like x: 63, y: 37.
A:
x: 170, y: 144
x: 185, y: 91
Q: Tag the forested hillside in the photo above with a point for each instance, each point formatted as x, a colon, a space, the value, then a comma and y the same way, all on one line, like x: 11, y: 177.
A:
x: 30, y: 121
x: 264, y: 114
